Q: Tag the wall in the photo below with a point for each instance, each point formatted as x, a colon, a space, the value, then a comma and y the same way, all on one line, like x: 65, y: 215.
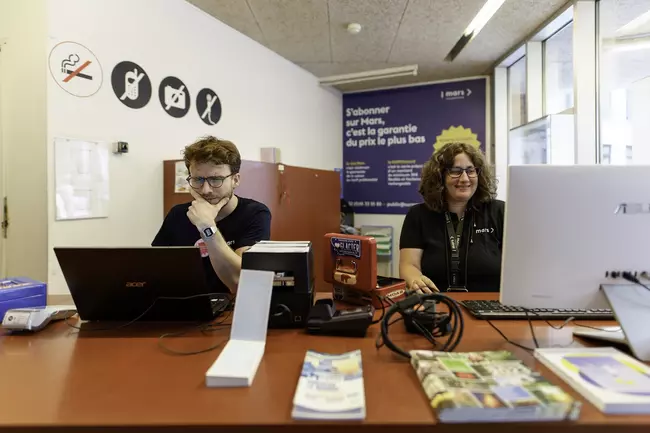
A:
x: 267, y: 101
x: 23, y: 134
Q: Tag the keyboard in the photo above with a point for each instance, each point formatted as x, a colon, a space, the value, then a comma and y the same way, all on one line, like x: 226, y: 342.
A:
x: 494, y: 310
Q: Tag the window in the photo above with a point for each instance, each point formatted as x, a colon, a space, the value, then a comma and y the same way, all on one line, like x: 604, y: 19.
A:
x: 624, y: 88
x: 517, y: 93
x: 558, y: 71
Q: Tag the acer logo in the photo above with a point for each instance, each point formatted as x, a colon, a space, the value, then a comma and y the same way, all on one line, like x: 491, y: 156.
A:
x: 136, y: 283
x: 395, y: 294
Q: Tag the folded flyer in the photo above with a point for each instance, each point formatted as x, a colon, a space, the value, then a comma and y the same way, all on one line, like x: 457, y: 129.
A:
x: 330, y: 387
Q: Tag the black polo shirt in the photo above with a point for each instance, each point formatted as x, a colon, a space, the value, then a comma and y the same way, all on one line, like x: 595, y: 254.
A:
x: 248, y: 224
x: 481, y: 243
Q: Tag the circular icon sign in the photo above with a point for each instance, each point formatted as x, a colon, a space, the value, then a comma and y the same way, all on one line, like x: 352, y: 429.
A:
x: 75, y: 69
x: 174, y: 97
x: 209, y: 106
x: 131, y: 84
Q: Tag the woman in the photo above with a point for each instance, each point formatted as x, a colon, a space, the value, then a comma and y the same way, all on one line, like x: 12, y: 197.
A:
x: 453, y: 240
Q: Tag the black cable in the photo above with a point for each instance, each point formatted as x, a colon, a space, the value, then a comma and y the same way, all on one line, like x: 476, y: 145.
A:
x: 131, y: 322
x: 383, y: 308
x: 509, y: 341
x: 284, y: 309
x: 183, y: 353
x: 532, y: 330
x: 205, y: 329
x: 629, y: 276
x: 409, y: 305
x: 379, y: 342
x: 618, y: 329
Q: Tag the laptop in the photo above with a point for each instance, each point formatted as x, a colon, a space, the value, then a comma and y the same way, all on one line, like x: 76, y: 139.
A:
x: 122, y: 284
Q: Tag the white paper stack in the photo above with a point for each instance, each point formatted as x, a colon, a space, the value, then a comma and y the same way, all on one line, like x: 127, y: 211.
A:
x: 280, y: 247
x: 330, y: 387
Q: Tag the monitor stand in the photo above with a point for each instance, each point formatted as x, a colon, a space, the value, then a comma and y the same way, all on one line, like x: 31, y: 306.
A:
x: 630, y: 304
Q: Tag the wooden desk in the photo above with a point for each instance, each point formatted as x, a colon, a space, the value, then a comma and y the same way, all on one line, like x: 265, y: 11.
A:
x: 61, y: 379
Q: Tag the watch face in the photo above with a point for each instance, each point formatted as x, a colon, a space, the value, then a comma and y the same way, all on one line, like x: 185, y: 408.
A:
x: 208, y: 232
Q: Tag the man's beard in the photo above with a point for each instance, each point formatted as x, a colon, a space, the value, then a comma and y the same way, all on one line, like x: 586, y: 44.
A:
x: 217, y: 199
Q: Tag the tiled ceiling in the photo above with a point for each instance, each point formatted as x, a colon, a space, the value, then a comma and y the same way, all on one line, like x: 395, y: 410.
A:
x: 312, y: 33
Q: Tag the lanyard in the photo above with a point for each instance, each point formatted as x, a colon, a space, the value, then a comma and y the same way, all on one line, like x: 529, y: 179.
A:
x: 454, y: 243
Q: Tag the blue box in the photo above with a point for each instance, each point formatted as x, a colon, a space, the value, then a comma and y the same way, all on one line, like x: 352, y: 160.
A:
x: 21, y: 292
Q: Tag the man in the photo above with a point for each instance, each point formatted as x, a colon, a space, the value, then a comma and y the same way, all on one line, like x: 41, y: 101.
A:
x: 222, y: 224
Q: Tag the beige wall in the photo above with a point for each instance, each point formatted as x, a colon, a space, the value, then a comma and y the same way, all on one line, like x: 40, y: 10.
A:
x: 23, y: 126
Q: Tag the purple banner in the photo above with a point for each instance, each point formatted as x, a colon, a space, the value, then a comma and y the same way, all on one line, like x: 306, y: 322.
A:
x: 389, y: 134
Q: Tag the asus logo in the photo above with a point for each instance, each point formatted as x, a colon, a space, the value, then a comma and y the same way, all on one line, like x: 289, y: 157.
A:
x: 136, y: 283
x: 632, y: 208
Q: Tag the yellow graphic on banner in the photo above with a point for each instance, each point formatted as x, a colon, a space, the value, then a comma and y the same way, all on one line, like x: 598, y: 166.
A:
x: 456, y: 134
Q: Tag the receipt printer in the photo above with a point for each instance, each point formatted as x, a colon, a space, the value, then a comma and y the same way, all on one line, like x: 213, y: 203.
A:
x: 350, y: 265
x: 293, y: 285
x: 21, y: 292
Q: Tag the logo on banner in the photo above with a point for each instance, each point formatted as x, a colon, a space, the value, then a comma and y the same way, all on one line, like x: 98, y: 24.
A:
x: 131, y: 84
x: 75, y: 69
x: 456, y: 134
x: 346, y: 247
x: 450, y: 95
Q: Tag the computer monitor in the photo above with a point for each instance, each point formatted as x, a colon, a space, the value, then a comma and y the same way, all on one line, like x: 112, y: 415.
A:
x: 566, y: 227
x: 120, y: 284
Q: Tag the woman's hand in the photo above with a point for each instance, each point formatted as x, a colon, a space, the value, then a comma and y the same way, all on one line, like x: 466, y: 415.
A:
x: 423, y: 284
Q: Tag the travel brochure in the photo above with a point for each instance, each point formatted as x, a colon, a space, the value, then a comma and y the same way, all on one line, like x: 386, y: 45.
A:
x: 492, y: 386
x: 330, y: 387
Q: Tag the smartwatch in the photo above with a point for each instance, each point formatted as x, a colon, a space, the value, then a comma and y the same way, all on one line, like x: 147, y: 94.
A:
x: 208, y: 232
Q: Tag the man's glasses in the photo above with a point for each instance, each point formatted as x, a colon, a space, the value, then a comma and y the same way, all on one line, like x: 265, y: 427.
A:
x: 456, y: 172
x: 197, y: 182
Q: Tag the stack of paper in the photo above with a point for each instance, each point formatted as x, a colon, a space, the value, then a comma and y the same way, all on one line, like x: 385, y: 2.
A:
x: 280, y: 247
x: 330, y: 387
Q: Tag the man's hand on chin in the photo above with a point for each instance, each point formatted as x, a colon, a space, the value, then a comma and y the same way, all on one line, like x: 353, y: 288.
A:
x: 202, y: 213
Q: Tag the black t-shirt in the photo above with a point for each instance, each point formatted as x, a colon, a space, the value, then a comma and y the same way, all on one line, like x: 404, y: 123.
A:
x: 480, y: 245
x: 248, y: 224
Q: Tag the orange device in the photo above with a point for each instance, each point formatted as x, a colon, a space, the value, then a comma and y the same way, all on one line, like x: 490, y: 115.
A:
x: 350, y: 265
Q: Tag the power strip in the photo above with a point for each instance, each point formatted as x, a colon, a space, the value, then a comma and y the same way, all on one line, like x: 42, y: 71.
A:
x: 622, y: 274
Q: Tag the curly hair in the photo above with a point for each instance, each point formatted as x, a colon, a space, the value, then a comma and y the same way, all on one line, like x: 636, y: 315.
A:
x: 213, y: 150
x: 432, y: 183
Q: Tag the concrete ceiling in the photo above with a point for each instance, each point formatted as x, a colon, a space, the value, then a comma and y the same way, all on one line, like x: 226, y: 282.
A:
x: 312, y: 33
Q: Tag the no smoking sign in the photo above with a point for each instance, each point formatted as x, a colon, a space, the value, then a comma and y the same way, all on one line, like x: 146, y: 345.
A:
x: 75, y: 69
